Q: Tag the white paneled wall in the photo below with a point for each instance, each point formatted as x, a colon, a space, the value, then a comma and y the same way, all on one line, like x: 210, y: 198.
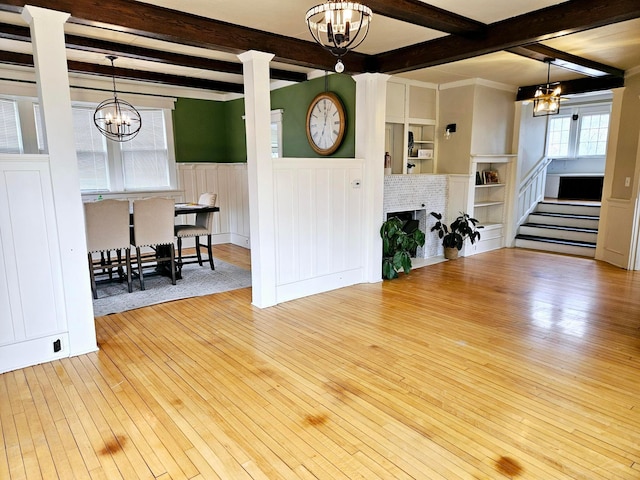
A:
x: 318, y: 225
x: 32, y: 311
x: 229, y: 181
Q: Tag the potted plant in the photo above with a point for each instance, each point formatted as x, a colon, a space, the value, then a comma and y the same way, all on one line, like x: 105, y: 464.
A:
x: 453, y: 237
x: 397, y: 245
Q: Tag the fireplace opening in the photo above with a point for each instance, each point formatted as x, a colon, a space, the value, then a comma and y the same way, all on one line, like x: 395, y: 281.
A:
x: 411, y: 224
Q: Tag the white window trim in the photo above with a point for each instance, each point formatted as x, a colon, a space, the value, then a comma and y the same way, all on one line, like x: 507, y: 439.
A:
x: 574, y: 129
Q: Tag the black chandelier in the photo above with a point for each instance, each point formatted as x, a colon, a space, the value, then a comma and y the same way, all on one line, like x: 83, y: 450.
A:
x: 116, y: 119
x: 339, y: 27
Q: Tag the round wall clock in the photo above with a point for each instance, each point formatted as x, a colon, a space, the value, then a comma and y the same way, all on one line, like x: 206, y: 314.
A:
x: 326, y: 122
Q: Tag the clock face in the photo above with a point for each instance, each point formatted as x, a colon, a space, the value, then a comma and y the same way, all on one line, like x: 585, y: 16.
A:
x: 325, y: 123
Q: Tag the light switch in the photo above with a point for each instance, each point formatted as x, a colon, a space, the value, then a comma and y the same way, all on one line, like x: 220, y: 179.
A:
x: 627, y: 182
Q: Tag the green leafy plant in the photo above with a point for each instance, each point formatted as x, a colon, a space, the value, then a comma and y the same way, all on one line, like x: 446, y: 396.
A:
x: 397, y: 246
x: 460, y: 229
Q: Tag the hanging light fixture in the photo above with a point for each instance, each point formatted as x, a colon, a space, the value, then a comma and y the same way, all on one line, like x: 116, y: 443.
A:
x: 339, y: 27
x: 116, y: 119
x: 546, y: 100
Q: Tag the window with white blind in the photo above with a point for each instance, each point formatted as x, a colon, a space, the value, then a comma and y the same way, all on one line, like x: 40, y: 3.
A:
x: 10, y: 138
x: 582, y: 132
x: 142, y: 163
x: 91, y: 148
x: 145, y: 157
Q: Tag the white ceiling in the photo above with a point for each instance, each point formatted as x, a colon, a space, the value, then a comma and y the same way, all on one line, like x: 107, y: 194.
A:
x: 616, y: 45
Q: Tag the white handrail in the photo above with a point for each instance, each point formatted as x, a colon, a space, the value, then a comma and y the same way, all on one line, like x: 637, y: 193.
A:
x: 531, y: 190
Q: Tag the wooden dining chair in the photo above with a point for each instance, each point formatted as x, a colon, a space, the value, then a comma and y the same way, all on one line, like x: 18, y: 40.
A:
x: 202, y: 227
x: 107, y: 230
x: 153, y: 227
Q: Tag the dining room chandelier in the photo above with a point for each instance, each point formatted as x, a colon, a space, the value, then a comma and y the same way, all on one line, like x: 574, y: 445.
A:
x: 116, y: 119
x: 339, y: 27
x: 546, y: 99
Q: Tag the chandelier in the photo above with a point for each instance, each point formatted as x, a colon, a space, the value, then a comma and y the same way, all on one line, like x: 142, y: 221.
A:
x: 339, y: 27
x: 116, y: 119
x: 546, y: 100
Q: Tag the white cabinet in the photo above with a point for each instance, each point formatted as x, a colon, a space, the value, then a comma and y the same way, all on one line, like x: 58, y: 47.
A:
x: 490, y: 179
x: 410, y: 135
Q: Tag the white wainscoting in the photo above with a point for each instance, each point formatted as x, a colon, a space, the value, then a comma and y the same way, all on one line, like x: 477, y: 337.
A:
x: 229, y: 181
x: 532, y: 190
x: 32, y: 308
x: 319, y: 232
x: 617, y: 231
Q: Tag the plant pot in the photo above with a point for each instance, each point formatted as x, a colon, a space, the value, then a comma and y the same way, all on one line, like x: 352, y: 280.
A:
x: 451, y: 253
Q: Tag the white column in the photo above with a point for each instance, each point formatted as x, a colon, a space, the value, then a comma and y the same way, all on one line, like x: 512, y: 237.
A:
x: 47, y: 38
x: 371, y: 102
x: 257, y: 106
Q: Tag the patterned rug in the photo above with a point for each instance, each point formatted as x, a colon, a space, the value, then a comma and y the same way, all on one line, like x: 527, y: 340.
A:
x: 196, y: 281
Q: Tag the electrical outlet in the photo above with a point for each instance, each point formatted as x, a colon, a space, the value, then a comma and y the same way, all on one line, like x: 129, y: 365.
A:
x: 57, y: 346
x: 627, y: 182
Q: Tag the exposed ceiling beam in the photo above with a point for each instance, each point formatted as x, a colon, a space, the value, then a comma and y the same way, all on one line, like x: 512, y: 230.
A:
x: 420, y: 13
x: 540, y: 52
x: 160, y: 23
x: 16, y: 32
x: 555, y: 21
x: 580, y: 85
x: 26, y: 60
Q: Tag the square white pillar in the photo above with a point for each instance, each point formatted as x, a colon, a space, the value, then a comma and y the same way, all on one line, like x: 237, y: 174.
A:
x: 257, y: 105
x: 47, y: 38
x: 371, y: 104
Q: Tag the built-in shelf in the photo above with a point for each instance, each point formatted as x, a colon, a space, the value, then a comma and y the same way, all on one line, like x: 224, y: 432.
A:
x: 411, y: 126
x: 489, y: 199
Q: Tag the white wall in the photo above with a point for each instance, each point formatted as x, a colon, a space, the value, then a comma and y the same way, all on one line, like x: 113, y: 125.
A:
x: 319, y: 224
x: 32, y: 304
x: 229, y: 181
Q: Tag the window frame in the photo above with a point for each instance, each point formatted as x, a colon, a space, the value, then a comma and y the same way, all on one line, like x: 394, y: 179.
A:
x: 575, y: 129
x: 114, y: 156
x: 18, y: 124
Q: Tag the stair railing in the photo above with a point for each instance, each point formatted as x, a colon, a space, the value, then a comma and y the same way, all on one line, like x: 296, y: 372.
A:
x: 531, y: 190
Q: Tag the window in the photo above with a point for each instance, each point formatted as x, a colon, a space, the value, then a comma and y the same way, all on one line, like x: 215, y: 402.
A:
x: 145, y: 157
x: 276, y: 133
x: 582, y: 133
x: 593, y: 135
x: 143, y: 163
x: 558, y: 143
x: 10, y: 138
x: 91, y: 148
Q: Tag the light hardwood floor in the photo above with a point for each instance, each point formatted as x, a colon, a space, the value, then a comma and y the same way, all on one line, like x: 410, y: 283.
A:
x: 509, y: 364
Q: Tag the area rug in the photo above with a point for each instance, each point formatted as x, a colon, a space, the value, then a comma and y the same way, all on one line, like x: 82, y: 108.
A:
x: 196, y: 281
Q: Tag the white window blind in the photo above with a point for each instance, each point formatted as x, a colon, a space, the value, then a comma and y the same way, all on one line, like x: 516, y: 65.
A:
x: 145, y: 158
x: 91, y: 149
x: 10, y: 139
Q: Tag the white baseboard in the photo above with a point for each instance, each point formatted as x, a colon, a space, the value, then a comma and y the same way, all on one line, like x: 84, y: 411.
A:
x: 33, y: 352
x: 291, y: 291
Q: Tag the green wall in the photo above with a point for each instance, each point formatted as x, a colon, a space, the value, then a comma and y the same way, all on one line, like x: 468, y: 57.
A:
x: 199, y: 130
x: 210, y: 131
x: 295, y: 100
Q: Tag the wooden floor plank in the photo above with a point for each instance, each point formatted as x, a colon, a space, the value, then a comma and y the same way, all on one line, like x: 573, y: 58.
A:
x: 508, y: 364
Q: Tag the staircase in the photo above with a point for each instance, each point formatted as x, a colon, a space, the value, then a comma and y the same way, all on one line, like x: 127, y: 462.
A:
x: 570, y: 228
